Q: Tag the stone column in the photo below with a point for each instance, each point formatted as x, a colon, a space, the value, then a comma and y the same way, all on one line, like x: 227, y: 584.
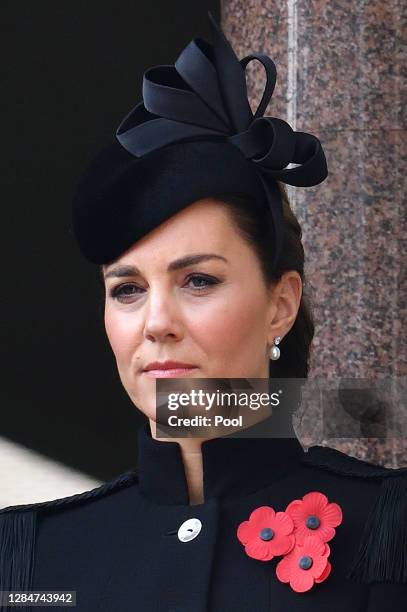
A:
x: 341, y: 75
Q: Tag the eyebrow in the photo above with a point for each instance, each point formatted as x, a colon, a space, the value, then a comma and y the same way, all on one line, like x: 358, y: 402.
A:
x: 127, y: 270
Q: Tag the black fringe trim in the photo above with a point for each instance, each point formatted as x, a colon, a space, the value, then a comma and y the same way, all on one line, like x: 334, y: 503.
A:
x: 17, y: 544
x: 18, y: 533
x: 382, y: 551
x: 382, y: 554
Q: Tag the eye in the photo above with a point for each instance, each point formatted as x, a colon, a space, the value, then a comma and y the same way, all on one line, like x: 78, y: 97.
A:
x: 208, y: 280
x: 127, y: 290
x: 122, y: 291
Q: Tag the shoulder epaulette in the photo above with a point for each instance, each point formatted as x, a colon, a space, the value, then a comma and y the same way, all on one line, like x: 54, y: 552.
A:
x: 382, y: 552
x: 328, y: 458
x: 18, y: 531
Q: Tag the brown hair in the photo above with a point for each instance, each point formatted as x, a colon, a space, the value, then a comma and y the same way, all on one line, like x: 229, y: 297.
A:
x: 254, y: 224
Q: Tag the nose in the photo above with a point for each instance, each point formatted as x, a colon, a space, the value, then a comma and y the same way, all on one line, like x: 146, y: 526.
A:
x: 162, y: 317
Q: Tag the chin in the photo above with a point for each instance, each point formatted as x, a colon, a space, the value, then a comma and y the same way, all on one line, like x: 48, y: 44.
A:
x: 148, y: 411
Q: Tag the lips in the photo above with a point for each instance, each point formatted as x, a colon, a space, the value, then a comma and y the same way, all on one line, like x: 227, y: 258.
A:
x: 167, y: 365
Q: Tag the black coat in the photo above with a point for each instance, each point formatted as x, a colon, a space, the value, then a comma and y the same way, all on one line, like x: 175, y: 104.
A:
x: 118, y: 545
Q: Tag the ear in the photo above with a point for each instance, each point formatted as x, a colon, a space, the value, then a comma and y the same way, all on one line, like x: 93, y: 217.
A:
x: 284, y: 305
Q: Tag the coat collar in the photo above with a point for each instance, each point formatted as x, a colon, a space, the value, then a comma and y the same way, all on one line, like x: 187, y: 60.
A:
x: 233, y: 466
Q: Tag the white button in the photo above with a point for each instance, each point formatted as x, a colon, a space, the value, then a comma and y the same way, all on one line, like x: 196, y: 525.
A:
x: 189, y: 529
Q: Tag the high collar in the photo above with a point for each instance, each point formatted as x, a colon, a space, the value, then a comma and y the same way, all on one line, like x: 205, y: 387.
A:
x: 232, y: 466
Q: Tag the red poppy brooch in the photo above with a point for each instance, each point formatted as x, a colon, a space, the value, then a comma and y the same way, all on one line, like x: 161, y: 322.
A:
x: 300, y: 534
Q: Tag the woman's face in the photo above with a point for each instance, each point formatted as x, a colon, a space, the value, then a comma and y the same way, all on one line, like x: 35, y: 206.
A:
x: 214, y: 313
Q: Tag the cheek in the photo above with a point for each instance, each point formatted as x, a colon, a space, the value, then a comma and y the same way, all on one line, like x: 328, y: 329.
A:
x: 123, y: 339
x: 122, y: 334
x: 236, y: 322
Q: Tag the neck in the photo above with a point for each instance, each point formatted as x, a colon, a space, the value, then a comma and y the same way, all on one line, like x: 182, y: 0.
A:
x: 192, y: 459
x: 191, y: 452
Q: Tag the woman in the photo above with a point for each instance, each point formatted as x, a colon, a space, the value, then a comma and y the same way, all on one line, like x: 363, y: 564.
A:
x: 202, y: 264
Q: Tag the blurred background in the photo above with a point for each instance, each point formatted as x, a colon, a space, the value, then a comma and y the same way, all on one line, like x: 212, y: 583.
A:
x: 72, y: 71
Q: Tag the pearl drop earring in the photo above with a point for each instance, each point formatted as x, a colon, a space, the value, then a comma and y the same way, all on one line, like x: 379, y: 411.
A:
x: 275, y: 351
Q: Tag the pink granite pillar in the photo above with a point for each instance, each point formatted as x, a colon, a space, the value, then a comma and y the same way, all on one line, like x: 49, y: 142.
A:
x: 341, y: 75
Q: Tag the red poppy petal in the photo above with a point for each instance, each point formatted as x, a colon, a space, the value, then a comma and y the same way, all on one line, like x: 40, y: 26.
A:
x: 293, y: 505
x: 297, y: 512
x: 318, y: 566
x: 270, y: 554
x: 261, y: 516
x: 294, y: 553
x: 313, y: 546
x: 284, y: 523
x: 325, y: 533
x: 327, y: 550
x: 257, y: 549
x: 315, y: 502
x: 244, y: 532
x: 301, y: 532
x: 283, y: 570
x: 301, y: 581
x: 282, y: 544
x: 332, y: 515
x: 293, y: 543
x: 325, y: 573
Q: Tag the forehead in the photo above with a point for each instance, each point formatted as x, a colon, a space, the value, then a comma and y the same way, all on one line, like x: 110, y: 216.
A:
x: 205, y: 224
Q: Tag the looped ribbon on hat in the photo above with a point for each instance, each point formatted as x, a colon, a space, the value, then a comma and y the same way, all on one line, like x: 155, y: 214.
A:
x: 204, y: 95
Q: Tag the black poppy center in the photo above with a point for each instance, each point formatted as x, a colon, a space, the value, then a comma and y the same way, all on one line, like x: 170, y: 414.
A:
x: 312, y: 522
x: 305, y: 562
x: 266, y: 533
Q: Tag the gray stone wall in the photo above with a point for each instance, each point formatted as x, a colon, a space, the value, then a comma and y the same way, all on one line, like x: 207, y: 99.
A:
x: 341, y: 75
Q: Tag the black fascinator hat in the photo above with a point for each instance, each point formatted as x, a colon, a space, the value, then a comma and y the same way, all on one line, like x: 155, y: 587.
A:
x: 193, y: 136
